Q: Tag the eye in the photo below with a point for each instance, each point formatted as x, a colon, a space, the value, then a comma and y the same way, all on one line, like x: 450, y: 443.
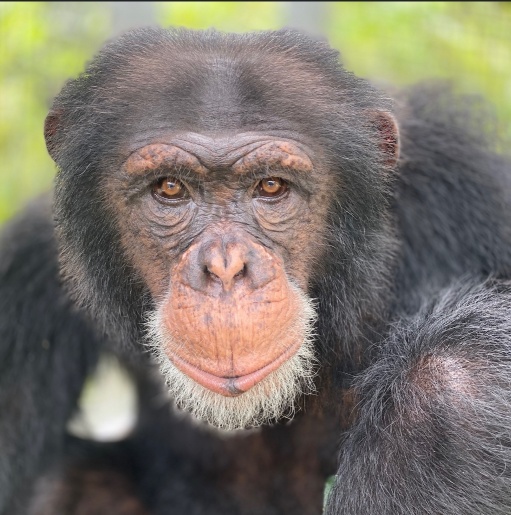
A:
x: 271, y: 187
x: 170, y: 188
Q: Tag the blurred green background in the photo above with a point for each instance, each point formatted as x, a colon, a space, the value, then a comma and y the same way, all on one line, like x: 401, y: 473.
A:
x: 44, y: 43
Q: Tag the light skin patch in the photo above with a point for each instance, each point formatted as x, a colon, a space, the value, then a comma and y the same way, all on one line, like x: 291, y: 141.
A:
x: 435, y: 377
x: 434, y: 374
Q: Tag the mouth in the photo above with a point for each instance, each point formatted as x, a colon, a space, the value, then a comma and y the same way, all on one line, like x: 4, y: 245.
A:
x: 232, y: 386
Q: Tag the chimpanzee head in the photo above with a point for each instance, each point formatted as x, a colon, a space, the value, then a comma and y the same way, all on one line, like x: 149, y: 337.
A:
x: 221, y: 193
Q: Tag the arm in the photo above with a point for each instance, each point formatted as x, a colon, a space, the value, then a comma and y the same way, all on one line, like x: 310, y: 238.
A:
x: 46, y: 350
x: 434, y: 425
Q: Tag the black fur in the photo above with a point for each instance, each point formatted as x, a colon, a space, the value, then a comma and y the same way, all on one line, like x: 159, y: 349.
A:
x: 412, y: 296
x: 434, y: 428
x: 46, y: 352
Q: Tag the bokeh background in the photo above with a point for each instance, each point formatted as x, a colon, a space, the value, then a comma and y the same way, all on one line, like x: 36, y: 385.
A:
x: 44, y: 43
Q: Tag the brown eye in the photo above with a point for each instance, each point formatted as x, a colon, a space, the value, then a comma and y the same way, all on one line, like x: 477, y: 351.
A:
x: 170, y: 188
x: 271, y: 187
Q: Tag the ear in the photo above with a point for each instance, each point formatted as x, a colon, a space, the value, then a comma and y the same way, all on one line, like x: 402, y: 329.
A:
x: 52, y: 126
x: 388, y: 130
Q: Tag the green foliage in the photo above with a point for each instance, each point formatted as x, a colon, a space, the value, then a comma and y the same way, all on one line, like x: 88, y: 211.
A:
x: 44, y: 43
x: 404, y: 42
x: 225, y: 16
x: 328, y: 488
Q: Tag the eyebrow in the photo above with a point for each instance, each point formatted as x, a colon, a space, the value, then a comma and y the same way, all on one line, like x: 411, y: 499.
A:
x: 159, y: 155
x: 278, y: 154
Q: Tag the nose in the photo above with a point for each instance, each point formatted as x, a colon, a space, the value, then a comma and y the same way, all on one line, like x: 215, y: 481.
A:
x: 226, y: 263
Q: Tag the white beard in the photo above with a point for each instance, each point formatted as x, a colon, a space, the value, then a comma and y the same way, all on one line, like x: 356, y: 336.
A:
x: 272, y: 398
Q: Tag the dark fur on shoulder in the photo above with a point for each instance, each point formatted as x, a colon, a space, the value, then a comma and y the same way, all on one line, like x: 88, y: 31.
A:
x: 433, y: 433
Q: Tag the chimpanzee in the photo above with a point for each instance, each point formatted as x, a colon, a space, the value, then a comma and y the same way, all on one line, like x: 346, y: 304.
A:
x: 318, y: 274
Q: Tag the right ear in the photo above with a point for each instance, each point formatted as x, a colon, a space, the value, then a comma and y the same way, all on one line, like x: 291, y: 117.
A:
x: 52, y: 127
x: 388, y: 130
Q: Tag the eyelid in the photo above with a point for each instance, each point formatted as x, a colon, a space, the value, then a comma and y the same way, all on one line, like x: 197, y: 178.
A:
x: 258, y: 192
x: 296, y: 180
x: 182, y: 195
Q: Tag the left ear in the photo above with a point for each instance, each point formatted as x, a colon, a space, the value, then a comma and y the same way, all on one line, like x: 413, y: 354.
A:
x: 388, y: 130
x: 52, y: 130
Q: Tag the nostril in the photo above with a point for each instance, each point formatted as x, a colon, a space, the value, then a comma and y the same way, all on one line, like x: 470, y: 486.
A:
x: 225, y: 275
x: 210, y: 274
x: 226, y: 272
x: 226, y: 265
x: 241, y: 273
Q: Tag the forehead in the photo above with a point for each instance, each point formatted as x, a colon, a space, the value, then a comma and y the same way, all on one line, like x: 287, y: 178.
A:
x: 218, y: 89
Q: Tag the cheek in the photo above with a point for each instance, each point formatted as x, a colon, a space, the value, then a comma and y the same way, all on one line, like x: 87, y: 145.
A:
x: 300, y: 238
x: 278, y: 216
x: 152, y: 240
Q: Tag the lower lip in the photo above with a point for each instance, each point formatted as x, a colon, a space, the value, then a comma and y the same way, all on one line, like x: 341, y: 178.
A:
x: 232, y: 386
